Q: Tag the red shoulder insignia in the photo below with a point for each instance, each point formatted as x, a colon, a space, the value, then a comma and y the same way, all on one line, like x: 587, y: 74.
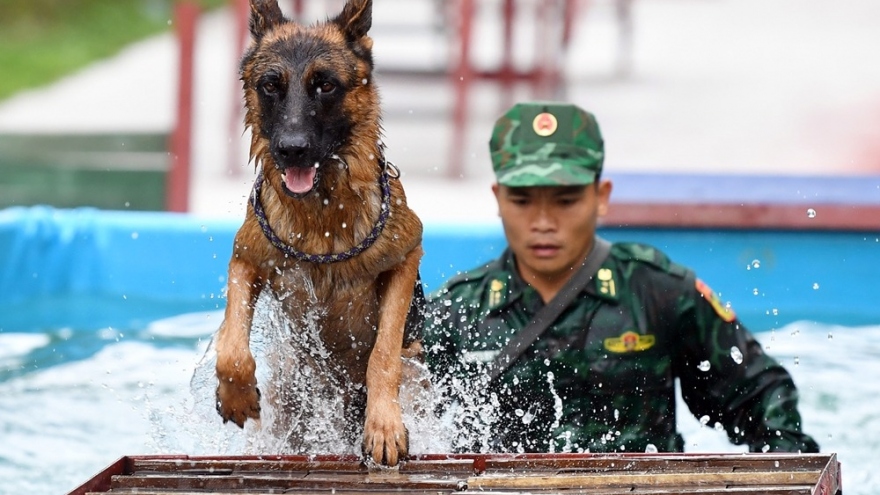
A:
x: 725, y: 312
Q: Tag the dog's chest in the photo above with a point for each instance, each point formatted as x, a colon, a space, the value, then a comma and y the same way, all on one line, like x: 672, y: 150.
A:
x: 343, y: 310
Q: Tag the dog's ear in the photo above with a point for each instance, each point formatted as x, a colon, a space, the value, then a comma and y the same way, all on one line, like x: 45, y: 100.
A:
x: 265, y: 15
x: 355, y: 19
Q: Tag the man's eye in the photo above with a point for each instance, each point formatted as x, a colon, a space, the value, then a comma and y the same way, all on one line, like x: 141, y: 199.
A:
x: 326, y: 87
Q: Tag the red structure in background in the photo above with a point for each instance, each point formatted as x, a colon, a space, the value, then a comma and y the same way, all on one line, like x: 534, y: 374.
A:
x: 186, y: 15
x: 544, y: 75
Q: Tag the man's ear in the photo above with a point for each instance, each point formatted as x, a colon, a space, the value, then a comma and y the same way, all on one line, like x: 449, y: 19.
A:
x: 265, y: 16
x: 355, y: 19
x: 495, y: 190
x: 604, y: 196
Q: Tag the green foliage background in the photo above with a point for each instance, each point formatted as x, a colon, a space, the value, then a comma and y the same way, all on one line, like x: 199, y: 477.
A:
x: 42, y: 40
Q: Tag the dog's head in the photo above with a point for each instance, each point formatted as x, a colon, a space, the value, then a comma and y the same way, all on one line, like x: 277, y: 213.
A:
x: 309, y: 92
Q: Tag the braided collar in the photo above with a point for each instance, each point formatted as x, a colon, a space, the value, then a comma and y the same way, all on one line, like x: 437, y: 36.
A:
x: 290, y: 251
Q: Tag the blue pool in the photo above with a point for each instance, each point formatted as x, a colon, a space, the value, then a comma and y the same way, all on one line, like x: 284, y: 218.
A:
x: 105, y: 316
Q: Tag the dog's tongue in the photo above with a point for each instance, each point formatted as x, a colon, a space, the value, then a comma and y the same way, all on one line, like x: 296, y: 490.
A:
x: 299, y: 179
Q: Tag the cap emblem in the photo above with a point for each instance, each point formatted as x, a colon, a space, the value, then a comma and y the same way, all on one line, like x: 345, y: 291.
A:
x: 545, y: 124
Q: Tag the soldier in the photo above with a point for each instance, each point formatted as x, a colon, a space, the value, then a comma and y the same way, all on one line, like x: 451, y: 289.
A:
x: 566, y: 343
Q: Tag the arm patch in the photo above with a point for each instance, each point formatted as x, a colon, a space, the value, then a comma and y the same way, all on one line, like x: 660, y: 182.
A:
x: 724, y: 312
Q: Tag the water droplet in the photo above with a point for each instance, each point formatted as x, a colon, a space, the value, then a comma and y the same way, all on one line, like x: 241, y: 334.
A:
x: 811, y: 213
x: 364, y: 81
x: 797, y: 360
x: 815, y: 286
x: 755, y: 291
x: 519, y: 412
x: 756, y: 264
x: 765, y: 449
x: 134, y: 235
x: 651, y: 449
x: 736, y: 355
x: 830, y: 336
x: 326, y: 234
x: 719, y: 426
x: 704, y: 420
x: 704, y: 366
x: 344, y: 225
x: 775, y: 312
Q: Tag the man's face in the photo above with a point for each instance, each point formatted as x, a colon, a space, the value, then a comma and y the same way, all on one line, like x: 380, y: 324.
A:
x: 550, y: 229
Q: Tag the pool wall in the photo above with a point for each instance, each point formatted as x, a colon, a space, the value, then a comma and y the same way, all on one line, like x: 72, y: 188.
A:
x: 88, y: 268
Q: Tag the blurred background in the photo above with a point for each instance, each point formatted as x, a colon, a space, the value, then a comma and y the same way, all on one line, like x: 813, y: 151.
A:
x: 743, y: 138
x: 741, y: 88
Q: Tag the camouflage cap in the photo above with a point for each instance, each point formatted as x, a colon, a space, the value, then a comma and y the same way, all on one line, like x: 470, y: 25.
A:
x: 546, y: 144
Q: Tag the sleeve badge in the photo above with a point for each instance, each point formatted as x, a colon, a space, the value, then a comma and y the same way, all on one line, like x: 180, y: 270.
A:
x: 724, y: 312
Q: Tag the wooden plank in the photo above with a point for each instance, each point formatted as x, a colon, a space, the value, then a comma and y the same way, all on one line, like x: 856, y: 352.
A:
x: 656, y: 479
x: 597, y: 474
x: 769, y: 490
x: 268, y: 492
x: 829, y: 481
x: 208, y: 466
x: 279, y: 481
x: 665, y: 463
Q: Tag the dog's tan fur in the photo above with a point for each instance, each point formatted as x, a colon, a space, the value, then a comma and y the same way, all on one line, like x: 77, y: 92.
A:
x: 364, y: 300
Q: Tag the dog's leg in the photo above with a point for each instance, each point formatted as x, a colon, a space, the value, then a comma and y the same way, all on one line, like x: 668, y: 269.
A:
x: 385, y: 436
x: 237, y: 395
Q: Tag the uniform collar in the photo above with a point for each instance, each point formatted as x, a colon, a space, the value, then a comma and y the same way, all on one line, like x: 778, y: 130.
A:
x: 506, y: 287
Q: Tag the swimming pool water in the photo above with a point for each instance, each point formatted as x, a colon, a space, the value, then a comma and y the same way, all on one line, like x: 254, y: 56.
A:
x: 72, y: 401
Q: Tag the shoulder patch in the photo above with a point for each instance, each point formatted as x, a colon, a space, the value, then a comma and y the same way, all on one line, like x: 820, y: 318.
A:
x: 724, y: 312
x: 497, y: 293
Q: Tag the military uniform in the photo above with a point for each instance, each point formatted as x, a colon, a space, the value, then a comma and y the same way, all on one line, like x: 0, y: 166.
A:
x: 601, y: 378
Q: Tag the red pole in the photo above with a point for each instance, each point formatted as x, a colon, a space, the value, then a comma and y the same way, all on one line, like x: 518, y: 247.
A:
x: 462, y: 78
x: 186, y: 14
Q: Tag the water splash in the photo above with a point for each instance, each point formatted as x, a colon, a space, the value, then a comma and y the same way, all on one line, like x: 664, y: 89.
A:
x: 736, y: 355
x: 303, y: 403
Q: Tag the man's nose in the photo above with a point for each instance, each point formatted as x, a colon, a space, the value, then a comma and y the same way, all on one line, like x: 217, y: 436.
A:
x: 544, y: 220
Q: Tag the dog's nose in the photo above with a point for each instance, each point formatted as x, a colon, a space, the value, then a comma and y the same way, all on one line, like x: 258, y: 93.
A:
x: 292, y: 146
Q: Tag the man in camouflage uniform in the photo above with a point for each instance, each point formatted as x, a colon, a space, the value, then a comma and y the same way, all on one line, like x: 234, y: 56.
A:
x: 601, y: 378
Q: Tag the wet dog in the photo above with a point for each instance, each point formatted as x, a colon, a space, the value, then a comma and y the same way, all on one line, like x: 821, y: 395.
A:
x: 328, y: 208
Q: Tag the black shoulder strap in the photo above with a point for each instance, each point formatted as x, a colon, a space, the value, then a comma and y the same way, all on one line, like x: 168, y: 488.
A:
x: 551, y: 311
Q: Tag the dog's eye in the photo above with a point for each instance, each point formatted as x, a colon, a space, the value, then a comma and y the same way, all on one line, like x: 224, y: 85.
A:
x: 269, y: 87
x: 326, y: 87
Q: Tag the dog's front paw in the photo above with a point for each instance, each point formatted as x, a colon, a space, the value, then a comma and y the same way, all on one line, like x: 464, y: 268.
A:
x: 386, y: 439
x: 237, y: 403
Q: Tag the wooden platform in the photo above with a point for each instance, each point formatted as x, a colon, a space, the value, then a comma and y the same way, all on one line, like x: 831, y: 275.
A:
x: 473, y: 473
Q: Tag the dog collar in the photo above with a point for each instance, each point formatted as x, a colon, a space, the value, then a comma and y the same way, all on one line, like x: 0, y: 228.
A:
x: 287, y: 249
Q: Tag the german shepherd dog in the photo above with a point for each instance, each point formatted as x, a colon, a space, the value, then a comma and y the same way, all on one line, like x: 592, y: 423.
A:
x: 329, y: 208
